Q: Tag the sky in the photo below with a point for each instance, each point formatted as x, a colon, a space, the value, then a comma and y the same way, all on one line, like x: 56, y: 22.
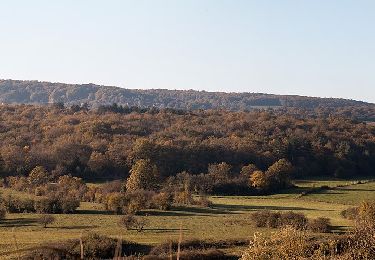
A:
x: 320, y: 48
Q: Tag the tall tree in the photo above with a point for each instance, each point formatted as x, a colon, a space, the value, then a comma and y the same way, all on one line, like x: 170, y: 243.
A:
x: 143, y: 175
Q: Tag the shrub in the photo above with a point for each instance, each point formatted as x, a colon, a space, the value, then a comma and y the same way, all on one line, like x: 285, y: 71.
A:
x: 95, y: 247
x: 350, y: 213
x: 56, y: 205
x: 266, y: 218
x: 47, y: 206
x: 162, y: 200
x: 203, y: 201
x: 2, y: 211
x: 270, y: 219
x: 69, y: 205
x: 295, y: 220
x: 46, y: 220
x: 127, y: 221
x: 114, y: 202
x: 260, y: 218
x: 287, y: 243
x: 183, y: 198
x: 136, y: 201
x: 18, y: 205
x: 320, y: 225
x: 132, y: 222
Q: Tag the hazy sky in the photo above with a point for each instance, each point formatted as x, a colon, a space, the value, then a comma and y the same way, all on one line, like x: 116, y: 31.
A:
x: 308, y: 47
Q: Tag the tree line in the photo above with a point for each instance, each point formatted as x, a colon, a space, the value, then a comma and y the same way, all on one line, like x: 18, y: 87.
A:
x: 103, y: 144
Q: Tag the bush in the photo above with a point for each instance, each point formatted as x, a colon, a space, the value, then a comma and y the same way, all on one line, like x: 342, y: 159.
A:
x: 162, y: 201
x: 18, y: 205
x: 136, y: 201
x: 2, y: 211
x: 203, y: 201
x: 46, y: 220
x: 55, y: 205
x: 47, y: 206
x: 295, y: 220
x: 270, y: 219
x: 266, y: 218
x: 69, y: 205
x: 183, y: 198
x: 114, y: 202
x: 320, y: 225
x: 95, y: 247
x: 132, y: 222
x: 350, y: 213
x: 286, y: 243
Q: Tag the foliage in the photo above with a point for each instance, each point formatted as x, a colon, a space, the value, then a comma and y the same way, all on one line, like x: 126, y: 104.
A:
x: 270, y: 219
x: 15, y: 91
x: 320, y: 225
x: 162, y: 200
x: 103, y: 146
x: 46, y: 220
x: 95, y: 247
x: 135, y: 201
x: 132, y: 222
x: 350, y: 213
x: 278, y: 176
x: 290, y: 243
x: 287, y: 243
x: 143, y: 176
x: 19, y: 205
x: 56, y: 205
x: 38, y: 176
x: 203, y: 201
x: 3, y: 210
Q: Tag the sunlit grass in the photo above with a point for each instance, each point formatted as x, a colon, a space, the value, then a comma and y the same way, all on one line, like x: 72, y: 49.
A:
x: 227, y: 219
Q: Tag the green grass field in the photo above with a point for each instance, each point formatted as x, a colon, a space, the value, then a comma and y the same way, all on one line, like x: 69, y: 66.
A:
x: 229, y: 218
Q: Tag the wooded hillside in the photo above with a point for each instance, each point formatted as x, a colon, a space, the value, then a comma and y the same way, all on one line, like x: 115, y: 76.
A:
x: 34, y: 92
x: 102, y: 143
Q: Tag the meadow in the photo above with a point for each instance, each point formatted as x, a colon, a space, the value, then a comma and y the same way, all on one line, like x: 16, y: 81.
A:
x: 227, y: 219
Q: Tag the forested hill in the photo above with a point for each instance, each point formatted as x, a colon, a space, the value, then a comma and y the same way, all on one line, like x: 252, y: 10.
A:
x: 35, y: 92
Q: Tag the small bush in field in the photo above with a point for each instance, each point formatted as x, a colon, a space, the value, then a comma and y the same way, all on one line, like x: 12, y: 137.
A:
x: 270, y: 219
x: 266, y: 218
x: 295, y: 220
x: 350, y: 213
x: 320, y: 225
x: 46, y: 220
x: 203, y: 201
x: 260, y: 218
x: 132, y: 222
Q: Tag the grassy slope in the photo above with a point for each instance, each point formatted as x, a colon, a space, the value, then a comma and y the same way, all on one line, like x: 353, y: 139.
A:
x: 228, y: 219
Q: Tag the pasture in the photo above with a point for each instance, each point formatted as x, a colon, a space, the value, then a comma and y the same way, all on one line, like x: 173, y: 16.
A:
x: 227, y: 219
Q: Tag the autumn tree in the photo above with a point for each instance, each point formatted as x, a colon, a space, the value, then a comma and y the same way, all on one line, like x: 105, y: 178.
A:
x: 259, y: 180
x: 220, y: 172
x: 38, y: 176
x: 247, y: 170
x: 277, y: 176
x: 143, y: 175
x: 279, y: 173
x: 46, y: 219
x: 2, y: 208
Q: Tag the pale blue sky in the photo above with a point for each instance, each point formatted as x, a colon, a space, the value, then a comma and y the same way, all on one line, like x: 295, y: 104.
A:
x: 307, y: 47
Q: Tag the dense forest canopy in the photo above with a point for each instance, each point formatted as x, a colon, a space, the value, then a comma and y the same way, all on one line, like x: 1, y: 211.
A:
x: 105, y: 142
x: 35, y: 92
